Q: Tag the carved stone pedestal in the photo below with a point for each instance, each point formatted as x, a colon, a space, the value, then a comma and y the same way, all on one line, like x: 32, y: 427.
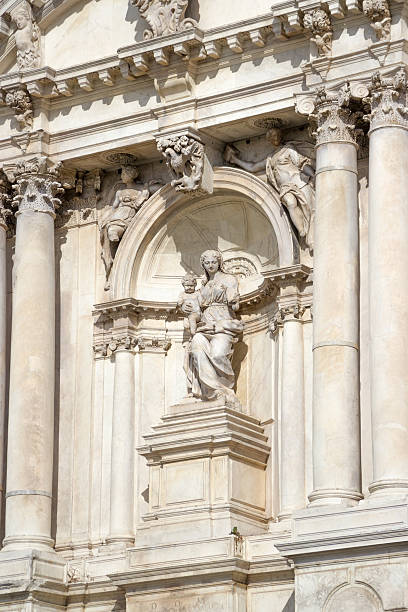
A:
x: 207, y: 474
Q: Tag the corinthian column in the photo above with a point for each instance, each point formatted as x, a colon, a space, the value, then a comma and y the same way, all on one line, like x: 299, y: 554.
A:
x: 336, y: 423
x: 5, y: 212
x: 388, y: 282
x: 31, y: 398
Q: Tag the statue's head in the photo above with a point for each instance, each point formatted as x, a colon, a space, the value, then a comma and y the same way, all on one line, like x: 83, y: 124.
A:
x: 274, y: 136
x: 211, y: 261
x: 129, y: 173
x: 22, y: 15
x: 189, y: 282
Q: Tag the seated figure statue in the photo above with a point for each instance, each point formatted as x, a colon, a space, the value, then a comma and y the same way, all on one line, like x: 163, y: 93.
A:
x: 208, y: 365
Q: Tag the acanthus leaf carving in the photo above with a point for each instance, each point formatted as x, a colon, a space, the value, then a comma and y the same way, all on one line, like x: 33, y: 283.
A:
x: 27, y: 37
x: 154, y: 344
x: 5, y: 201
x: 36, y: 185
x: 378, y: 12
x: 20, y: 102
x: 387, y: 98
x: 318, y: 22
x: 122, y: 342
x: 164, y: 16
x: 336, y: 122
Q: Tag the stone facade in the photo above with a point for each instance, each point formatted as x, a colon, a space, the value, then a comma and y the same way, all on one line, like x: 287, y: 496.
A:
x: 203, y: 289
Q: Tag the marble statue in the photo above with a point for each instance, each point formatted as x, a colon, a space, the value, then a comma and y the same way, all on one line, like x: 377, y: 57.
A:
x: 190, y: 296
x: 129, y: 197
x: 27, y: 37
x: 208, y: 368
x: 318, y: 23
x: 292, y: 175
x: 164, y: 16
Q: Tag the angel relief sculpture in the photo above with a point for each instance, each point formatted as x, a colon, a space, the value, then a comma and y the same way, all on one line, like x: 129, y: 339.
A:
x: 128, y: 196
x: 164, y: 16
x: 292, y: 175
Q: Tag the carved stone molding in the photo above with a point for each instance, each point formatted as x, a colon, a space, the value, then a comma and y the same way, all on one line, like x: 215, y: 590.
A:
x: 290, y: 312
x: 36, y: 184
x: 164, y: 16
x: 27, y: 37
x: 20, y: 102
x: 190, y: 170
x: 378, y: 12
x: 318, y: 23
x: 122, y: 343
x: 335, y: 120
x: 153, y: 345
x: 388, y: 97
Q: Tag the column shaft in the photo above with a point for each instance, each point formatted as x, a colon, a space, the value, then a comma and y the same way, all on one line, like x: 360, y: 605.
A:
x: 388, y: 286
x: 292, y: 487
x: 336, y: 423
x: 31, y: 398
x: 123, y: 442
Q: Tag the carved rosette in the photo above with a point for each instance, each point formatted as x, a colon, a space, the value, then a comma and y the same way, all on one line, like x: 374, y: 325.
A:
x: 335, y: 121
x: 388, y: 97
x: 186, y: 161
x: 20, y: 102
x: 36, y: 185
x: 317, y: 22
x: 378, y: 12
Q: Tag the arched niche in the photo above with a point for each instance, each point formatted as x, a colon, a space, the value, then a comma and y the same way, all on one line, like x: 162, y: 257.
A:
x: 243, y: 217
x: 354, y: 598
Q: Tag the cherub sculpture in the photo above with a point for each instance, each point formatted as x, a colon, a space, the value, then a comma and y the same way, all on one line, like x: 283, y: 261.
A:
x: 27, y: 37
x: 191, y: 297
x: 20, y: 101
x: 164, y: 16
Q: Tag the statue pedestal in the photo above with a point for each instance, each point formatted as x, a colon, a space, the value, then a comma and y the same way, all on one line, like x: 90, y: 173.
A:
x: 207, y: 465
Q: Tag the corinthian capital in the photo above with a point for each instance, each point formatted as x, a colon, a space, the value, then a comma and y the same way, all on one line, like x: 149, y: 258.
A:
x: 335, y: 120
x: 36, y: 185
x: 388, y: 96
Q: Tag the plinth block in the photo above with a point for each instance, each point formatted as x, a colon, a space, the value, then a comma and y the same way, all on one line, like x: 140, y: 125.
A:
x: 207, y: 466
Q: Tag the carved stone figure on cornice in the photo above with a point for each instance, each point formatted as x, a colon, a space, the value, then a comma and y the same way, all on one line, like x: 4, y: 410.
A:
x: 36, y: 184
x: 335, y: 119
x: 388, y: 100
x: 208, y: 364
x: 20, y: 101
x: 318, y: 23
x: 378, y: 11
x: 292, y: 175
x: 129, y: 197
x: 185, y: 158
x: 27, y: 37
x: 164, y: 16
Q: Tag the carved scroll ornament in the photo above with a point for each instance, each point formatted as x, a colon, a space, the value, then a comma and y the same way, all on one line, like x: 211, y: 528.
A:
x: 164, y: 16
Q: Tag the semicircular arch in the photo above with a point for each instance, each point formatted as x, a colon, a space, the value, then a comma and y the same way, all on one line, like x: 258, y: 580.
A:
x: 165, y: 202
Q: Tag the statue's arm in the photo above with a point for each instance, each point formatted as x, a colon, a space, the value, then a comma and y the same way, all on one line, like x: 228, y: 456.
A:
x: 231, y: 155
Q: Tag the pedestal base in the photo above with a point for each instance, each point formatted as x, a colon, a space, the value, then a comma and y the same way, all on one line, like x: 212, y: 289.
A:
x: 207, y: 474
